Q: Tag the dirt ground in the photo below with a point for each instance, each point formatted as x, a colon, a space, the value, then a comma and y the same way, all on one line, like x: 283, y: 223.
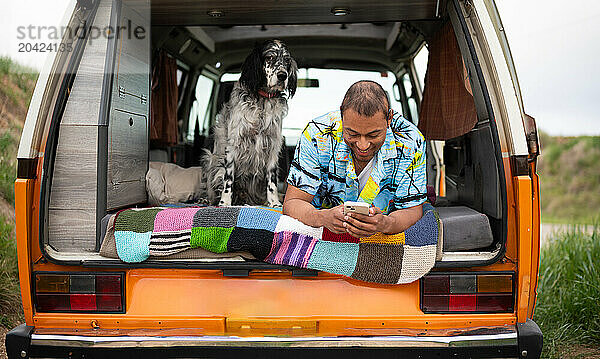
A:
x: 2, y: 348
x: 581, y: 352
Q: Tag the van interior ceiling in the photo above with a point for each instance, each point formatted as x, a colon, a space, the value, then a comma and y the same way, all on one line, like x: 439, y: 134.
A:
x: 201, y: 43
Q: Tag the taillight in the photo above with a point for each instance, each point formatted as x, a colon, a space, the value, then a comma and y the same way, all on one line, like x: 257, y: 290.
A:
x: 467, y: 292
x: 79, y: 292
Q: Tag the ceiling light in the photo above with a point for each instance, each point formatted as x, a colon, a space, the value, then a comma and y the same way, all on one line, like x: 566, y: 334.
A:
x: 215, y: 13
x: 340, y: 11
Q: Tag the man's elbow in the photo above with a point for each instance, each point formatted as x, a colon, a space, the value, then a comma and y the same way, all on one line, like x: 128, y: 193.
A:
x: 287, y: 206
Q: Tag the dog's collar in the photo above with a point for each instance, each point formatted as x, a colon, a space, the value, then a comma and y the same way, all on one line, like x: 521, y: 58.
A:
x: 269, y: 94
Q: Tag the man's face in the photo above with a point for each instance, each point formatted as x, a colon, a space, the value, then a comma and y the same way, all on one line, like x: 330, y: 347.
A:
x: 364, y: 135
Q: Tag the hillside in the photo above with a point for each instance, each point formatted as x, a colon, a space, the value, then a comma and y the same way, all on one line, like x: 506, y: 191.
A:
x: 16, y: 89
x: 569, y: 170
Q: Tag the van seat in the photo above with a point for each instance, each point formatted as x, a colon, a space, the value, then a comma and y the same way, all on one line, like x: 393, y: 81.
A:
x: 464, y: 229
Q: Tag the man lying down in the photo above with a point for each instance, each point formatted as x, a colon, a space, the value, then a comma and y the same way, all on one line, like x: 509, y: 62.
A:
x: 365, y: 152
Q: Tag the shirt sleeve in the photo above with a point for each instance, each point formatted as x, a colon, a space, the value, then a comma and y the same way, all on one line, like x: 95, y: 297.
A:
x: 412, y: 186
x: 305, y: 172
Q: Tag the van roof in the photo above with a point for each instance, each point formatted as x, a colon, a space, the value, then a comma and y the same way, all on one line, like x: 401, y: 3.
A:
x: 244, y: 12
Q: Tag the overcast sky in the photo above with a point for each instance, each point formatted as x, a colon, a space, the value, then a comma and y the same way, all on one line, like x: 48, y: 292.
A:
x: 555, y: 45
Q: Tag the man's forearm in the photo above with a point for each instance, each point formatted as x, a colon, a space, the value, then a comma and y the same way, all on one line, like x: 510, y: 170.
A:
x: 401, y: 220
x: 304, y: 212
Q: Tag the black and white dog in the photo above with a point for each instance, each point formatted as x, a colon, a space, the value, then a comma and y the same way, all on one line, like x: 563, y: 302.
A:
x: 242, y: 169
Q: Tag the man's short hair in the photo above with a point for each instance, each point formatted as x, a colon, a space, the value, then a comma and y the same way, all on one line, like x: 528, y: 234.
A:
x: 366, y: 98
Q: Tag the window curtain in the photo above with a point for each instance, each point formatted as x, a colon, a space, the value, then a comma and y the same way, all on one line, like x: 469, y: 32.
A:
x: 163, y: 112
x: 447, y: 109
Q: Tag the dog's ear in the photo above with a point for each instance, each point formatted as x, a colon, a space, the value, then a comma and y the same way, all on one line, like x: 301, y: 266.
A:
x: 293, y: 78
x: 253, y: 74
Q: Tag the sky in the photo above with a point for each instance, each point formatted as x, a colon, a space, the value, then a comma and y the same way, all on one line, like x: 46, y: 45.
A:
x: 555, y: 47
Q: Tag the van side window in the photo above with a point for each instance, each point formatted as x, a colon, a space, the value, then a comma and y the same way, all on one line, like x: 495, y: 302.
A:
x: 410, y: 98
x: 420, y: 62
x: 182, y: 78
x: 201, y: 108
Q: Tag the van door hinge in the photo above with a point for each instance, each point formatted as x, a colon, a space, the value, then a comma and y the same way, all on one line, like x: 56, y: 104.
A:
x: 123, y: 92
x: 531, y: 135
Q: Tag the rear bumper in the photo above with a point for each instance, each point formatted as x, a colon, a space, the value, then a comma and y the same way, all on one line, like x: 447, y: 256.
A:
x: 487, y: 343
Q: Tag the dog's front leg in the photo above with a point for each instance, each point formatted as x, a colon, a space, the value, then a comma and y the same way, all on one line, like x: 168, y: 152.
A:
x: 227, y: 193
x: 272, y: 193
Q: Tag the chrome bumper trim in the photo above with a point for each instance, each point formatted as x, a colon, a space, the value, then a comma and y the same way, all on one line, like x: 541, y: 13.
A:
x: 77, y: 341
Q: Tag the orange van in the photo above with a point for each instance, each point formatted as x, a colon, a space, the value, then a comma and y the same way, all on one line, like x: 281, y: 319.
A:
x: 87, y: 144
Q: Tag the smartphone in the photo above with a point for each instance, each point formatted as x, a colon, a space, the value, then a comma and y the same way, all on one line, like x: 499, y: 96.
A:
x: 356, y: 207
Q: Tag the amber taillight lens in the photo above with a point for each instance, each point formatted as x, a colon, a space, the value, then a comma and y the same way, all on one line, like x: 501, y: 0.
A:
x: 79, y: 292
x: 467, y: 292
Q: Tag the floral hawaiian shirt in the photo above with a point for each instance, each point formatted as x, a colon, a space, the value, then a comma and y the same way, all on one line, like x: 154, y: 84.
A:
x: 323, y: 166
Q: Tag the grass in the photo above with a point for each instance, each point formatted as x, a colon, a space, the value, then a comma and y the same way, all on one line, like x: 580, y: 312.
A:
x: 16, y: 88
x: 568, y: 303
x: 8, y: 166
x: 11, y: 313
x: 569, y: 178
x: 17, y: 82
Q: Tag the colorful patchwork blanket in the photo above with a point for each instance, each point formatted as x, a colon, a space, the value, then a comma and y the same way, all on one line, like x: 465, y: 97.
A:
x: 279, y: 239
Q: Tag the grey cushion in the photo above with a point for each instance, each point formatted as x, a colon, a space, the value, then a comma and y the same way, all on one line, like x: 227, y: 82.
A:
x: 464, y: 229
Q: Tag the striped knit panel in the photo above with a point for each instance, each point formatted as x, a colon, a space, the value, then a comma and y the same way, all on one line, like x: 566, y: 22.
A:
x: 379, y: 263
x: 397, y: 239
x: 136, y: 220
x: 256, y: 241
x: 258, y: 218
x: 289, y: 224
x: 132, y: 247
x: 166, y: 243
x: 332, y: 257
x: 291, y: 248
x: 213, y: 239
x: 333, y: 237
x: 225, y: 217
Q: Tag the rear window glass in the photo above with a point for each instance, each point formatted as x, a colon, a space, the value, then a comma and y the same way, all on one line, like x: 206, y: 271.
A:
x: 311, y: 102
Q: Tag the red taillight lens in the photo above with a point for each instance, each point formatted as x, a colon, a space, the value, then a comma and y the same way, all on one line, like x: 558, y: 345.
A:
x: 108, y: 284
x: 84, y: 302
x: 52, y: 302
x: 462, y: 303
x: 494, y: 302
x: 109, y: 302
x: 436, y: 284
x: 435, y: 303
x: 79, y: 292
x: 467, y: 292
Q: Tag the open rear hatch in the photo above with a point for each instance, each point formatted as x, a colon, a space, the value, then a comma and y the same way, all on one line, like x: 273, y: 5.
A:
x: 95, y: 165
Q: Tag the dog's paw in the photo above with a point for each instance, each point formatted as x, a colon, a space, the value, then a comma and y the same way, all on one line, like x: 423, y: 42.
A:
x: 225, y: 202
x: 274, y: 203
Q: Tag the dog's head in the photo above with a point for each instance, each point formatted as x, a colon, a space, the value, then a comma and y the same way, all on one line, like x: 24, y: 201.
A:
x: 270, y: 68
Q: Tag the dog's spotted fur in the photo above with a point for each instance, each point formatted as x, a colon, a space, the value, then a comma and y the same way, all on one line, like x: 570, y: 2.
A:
x: 242, y: 169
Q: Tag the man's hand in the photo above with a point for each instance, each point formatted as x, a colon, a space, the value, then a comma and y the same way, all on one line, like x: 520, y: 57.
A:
x: 333, y: 219
x: 361, y: 225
